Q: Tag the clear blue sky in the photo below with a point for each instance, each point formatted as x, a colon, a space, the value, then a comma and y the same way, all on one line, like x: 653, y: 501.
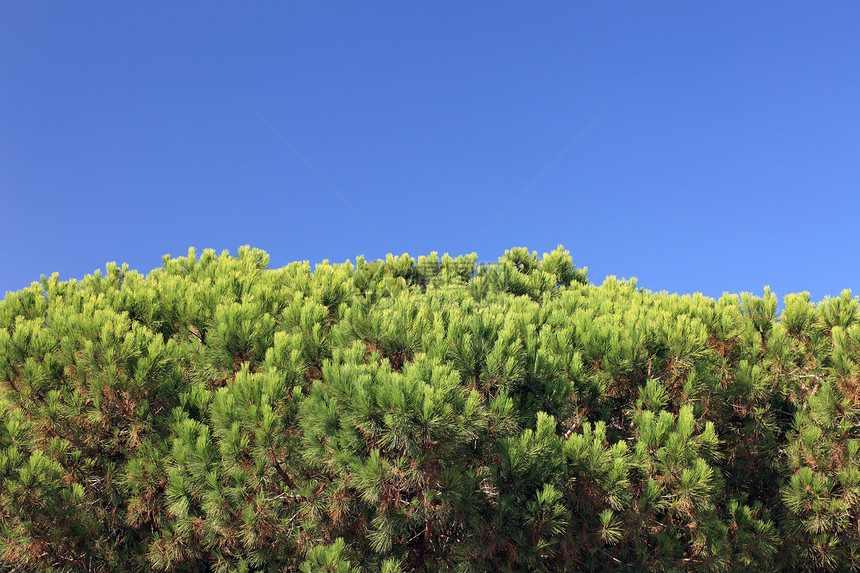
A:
x: 726, y: 155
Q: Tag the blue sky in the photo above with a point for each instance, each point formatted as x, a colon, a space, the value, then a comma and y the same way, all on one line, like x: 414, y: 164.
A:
x: 723, y: 152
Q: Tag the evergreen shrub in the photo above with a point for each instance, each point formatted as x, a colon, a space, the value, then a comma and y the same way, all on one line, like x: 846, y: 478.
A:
x: 435, y: 414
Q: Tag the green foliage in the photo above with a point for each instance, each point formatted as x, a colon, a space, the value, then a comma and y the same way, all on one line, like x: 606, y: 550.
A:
x: 429, y: 414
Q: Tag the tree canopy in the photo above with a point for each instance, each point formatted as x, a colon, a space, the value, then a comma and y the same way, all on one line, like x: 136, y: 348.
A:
x: 429, y: 414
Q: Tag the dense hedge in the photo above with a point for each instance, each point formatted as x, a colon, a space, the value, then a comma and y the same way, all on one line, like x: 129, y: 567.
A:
x: 422, y: 415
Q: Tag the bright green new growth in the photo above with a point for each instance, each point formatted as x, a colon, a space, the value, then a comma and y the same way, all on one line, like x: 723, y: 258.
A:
x: 429, y: 414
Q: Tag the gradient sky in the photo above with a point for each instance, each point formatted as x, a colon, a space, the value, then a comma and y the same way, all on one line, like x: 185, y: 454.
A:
x: 717, y: 145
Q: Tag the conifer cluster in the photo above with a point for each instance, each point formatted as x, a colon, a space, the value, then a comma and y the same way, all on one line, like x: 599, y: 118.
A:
x: 429, y: 414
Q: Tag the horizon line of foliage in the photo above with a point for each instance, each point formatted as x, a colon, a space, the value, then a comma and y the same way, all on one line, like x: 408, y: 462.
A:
x: 428, y: 414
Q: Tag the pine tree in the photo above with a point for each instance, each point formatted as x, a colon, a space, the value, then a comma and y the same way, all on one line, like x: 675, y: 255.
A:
x: 429, y: 414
